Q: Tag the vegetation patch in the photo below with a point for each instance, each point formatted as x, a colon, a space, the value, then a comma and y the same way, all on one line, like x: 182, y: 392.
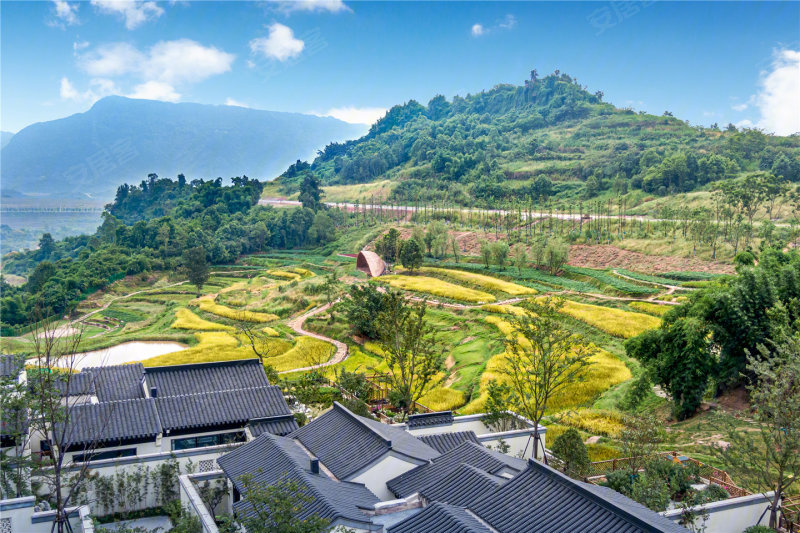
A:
x: 207, y: 304
x: 285, y: 274
x: 437, y: 287
x: 608, y: 279
x: 443, y: 399
x: 613, y: 321
x: 483, y: 281
x: 650, y: 308
x: 185, y: 319
x: 595, y: 421
x: 307, y: 351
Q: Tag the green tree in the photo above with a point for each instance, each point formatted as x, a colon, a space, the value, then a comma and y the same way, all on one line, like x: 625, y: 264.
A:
x: 411, y: 254
x: 486, y: 252
x: 542, y: 358
x: 569, y: 447
x: 520, y: 257
x: 556, y: 255
x: 500, y: 253
x: 388, y: 246
x: 46, y: 246
x: 769, y: 458
x: 310, y: 192
x: 362, y: 309
x: 197, y: 270
x: 412, y: 353
x: 279, y: 507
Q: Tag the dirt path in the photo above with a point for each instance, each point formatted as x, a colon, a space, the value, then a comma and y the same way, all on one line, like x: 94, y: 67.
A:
x: 672, y: 288
x: 297, y: 326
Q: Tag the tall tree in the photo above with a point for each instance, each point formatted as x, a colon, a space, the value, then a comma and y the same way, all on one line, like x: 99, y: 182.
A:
x: 411, y: 254
x: 413, y: 355
x: 46, y: 246
x: 194, y: 261
x: 542, y: 358
x: 278, y: 508
x: 769, y: 458
x: 310, y: 192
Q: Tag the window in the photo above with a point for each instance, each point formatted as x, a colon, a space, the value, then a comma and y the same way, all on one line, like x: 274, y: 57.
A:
x: 99, y: 456
x: 208, y: 440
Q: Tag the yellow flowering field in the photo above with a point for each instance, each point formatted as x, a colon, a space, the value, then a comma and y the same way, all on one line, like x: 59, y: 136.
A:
x: 437, y: 287
x: 185, y: 319
x: 208, y: 305
x: 650, y: 308
x: 483, y: 281
x: 615, y: 322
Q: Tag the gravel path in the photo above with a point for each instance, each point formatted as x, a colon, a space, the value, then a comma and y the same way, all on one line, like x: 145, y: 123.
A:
x: 297, y: 326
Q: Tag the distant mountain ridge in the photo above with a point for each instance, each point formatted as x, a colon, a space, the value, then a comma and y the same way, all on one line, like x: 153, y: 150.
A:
x: 5, y: 136
x: 122, y: 140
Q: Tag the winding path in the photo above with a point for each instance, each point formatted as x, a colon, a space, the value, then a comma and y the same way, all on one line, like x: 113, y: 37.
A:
x: 296, y: 324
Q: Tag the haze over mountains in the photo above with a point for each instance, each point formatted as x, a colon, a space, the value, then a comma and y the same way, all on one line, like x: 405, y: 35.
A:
x: 122, y: 140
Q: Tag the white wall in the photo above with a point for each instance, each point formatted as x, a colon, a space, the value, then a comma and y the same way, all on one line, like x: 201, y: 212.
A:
x: 730, y: 516
x: 23, y: 519
x: 388, y: 467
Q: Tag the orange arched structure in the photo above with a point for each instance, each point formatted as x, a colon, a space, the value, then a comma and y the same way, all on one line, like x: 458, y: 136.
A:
x: 370, y: 263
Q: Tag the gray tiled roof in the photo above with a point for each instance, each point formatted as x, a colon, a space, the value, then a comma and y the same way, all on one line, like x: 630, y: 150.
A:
x: 117, y: 382
x: 111, y: 421
x: 444, y: 442
x: 430, y: 419
x: 346, y: 442
x: 469, y: 453
x: 222, y: 407
x: 270, y: 458
x: 277, y: 425
x: 543, y: 499
x: 441, y: 518
x: 463, y: 486
x: 178, y: 380
x: 10, y: 365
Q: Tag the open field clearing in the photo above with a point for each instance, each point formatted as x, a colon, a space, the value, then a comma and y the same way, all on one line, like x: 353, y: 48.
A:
x: 437, y: 287
x: 615, y: 322
x: 482, y: 281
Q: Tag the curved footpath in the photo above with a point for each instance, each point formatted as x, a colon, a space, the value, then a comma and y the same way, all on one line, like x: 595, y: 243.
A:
x: 297, y: 326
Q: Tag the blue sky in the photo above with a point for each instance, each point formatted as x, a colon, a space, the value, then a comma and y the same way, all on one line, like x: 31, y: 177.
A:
x: 705, y: 62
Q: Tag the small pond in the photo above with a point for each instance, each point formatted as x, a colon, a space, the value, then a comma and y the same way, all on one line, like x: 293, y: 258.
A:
x: 127, y: 352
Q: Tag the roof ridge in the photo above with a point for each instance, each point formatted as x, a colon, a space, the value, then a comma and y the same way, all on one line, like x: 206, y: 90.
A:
x: 206, y: 393
x: 207, y: 364
x: 602, y: 502
x: 364, y: 423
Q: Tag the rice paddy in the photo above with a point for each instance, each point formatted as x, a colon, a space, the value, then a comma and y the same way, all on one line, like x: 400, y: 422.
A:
x: 185, y: 319
x: 485, y: 282
x: 650, y: 309
x: 207, y: 304
x: 613, y: 321
x: 437, y: 287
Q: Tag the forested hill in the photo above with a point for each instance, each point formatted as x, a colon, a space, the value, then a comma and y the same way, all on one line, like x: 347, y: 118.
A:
x: 120, y: 139
x: 547, y: 137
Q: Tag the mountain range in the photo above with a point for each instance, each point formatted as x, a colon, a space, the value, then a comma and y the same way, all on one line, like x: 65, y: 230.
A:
x: 122, y: 140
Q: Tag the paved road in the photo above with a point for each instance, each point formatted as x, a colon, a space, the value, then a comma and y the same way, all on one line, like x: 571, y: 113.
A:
x: 297, y: 326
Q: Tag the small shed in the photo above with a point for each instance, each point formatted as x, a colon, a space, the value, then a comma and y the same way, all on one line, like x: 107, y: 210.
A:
x: 370, y: 263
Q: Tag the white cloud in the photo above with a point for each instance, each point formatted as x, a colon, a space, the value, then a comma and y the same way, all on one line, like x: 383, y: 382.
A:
x: 744, y: 124
x: 508, y: 22
x: 98, y: 88
x: 778, y: 98
x: 232, y: 102
x: 155, y: 90
x: 135, y: 12
x: 169, y: 62
x: 77, y: 46
x: 65, y: 13
x: 280, y: 45
x: 331, y: 6
x: 739, y: 107
x: 356, y: 115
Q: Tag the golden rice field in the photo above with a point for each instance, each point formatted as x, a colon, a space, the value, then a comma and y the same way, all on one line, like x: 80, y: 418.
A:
x: 307, y: 351
x: 285, y: 274
x: 485, y: 282
x: 208, y: 305
x: 302, y: 271
x: 605, y: 371
x: 506, y: 309
x: 443, y: 399
x: 615, y: 322
x: 595, y: 421
x: 650, y: 308
x: 437, y: 287
x: 185, y: 319
x: 271, y: 332
x: 212, y: 346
